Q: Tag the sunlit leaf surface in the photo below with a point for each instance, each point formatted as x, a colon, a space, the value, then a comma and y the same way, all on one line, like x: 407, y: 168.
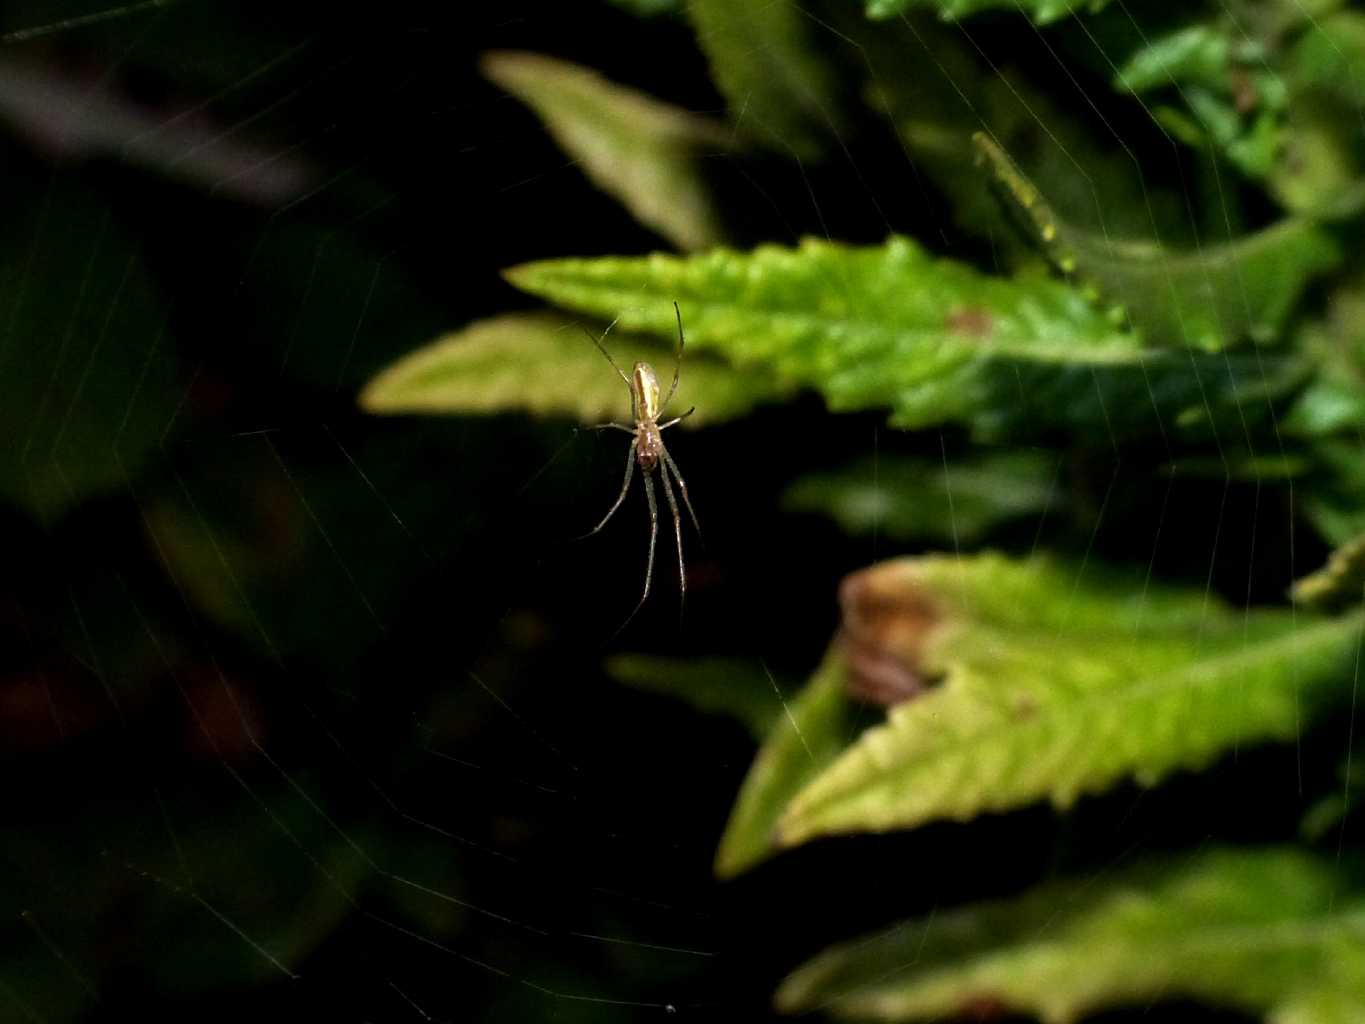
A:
x: 803, y: 740
x: 932, y: 339
x: 644, y: 152
x: 546, y: 365
x: 1049, y: 684
x: 1265, y: 931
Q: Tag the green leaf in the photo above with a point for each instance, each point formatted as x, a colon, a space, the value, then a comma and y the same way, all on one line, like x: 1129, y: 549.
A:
x: 1194, y: 53
x: 89, y: 381
x: 740, y: 688
x: 1340, y: 582
x: 932, y: 82
x: 1053, y: 683
x: 1328, y: 55
x: 544, y: 364
x: 804, y: 739
x: 1334, y: 401
x: 1259, y: 930
x: 1209, y: 299
x: 649, y: 8
x: 932, y: 339
x: 778, y: 87
x: 1329, y: 814
x: 646, y: 153
x: 1322, y: 169
x: 1041, y: 11
x: 909, y: 498
x: 1225, y: 80
x: 1334, y: 499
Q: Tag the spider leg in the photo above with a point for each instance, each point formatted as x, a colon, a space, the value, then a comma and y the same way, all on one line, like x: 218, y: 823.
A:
x: 611, y: 426
x: 653, y: 537
x: 625, y: 487
x: 619, y: 372
x: 682, y: 486
x: 677, y: 361
x: 677, y: 531
x: 677, y: 419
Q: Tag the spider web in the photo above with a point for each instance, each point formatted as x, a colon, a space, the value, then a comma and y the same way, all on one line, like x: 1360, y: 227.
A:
x: 304, y: 709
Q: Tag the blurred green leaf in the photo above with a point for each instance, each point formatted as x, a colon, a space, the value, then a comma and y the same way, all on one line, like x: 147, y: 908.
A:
x: 909, y: 498
x: 803, y: 740
x: 1271, y: 92
x: 1053, y: 684
x: 644, y: 152
x: 1322, y: 167
x: 1262, y: 930
x: 544, y: 364
x: 1329, y: 813
x: 1041, y: 11
x: 286, y: 537
x: 649, y: 8
x: 1226, y: 84
x: 1340, y: 582
x: 1193, y: 53
x: 90, y: 378
x: 1334, y: 401
x: 1210, y: 298
x: 778, y: 86
x: 1328, y: 55
x: 200, y: 896
x: 937, y: 88
x: 1334, y: 498
x: 932, y: 339
x: 737, y: 687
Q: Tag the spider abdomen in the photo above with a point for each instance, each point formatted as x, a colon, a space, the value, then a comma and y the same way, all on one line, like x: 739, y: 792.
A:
x: 648, y: 444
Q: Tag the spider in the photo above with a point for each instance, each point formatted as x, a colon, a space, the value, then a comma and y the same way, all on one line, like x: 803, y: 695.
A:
x: 648, y: 450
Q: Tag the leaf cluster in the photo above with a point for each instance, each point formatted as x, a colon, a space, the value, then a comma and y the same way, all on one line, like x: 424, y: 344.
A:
x: 1196, y: 298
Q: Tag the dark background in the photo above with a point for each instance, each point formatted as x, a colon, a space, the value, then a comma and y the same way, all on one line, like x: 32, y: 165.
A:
x: 281, y: 679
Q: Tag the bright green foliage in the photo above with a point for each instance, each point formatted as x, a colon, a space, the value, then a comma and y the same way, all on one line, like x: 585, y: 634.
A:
x: 545, y: 364
x: 1265, y: 931
x: 804, y: 739
x: 907, y: 498
x: 1233, y: 98
x: 1196, y: 53
x: 778, y: 87
x: 932, y: 339
x: 1056, y: 683
x: 1340, y: 582
x: 1041, y: 11
x: 1269, y: 93
x: 737, y: 687
x: 1209, y: 298
x: 646, y: 153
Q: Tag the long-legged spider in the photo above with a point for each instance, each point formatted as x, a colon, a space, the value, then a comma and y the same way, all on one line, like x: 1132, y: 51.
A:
x: 648, y: 450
